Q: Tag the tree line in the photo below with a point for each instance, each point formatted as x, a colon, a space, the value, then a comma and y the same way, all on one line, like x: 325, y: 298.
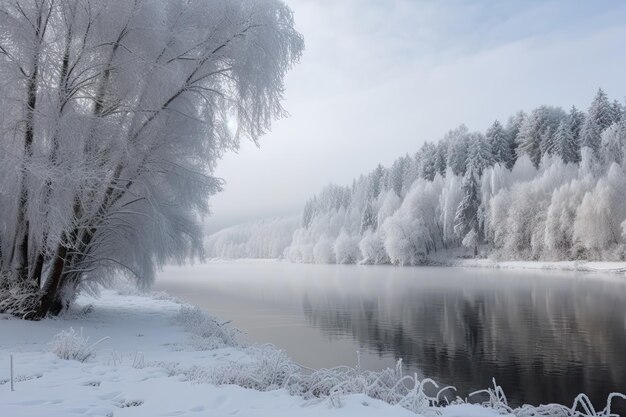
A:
x: 547, y: 184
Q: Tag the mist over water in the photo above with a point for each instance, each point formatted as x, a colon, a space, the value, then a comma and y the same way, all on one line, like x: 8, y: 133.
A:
x: 544, y: 336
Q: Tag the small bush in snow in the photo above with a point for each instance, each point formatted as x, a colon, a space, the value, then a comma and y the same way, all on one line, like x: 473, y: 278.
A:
x: 210, y: 334
x: 17, y: 299
x: 269, y: 369
x: 70, y: 345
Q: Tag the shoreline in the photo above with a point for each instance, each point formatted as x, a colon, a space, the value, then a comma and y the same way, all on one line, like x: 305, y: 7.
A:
x: 154, y: 355
x: 612, y: 267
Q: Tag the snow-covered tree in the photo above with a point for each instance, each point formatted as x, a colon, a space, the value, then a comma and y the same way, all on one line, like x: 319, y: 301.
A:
x: 577, y: 119
x: 428, y: 161
x: 600, y: 116
x: 500, y: 142
x: 602, y: 111
x: 458, y: 144
x: 368, y: 219
x: 513, y: 127
x: 441, y: 157
x: 114, y: 115
x: 561, y: 215
x: 590, y: 135
x: 613, y: 140
x: 449, y: 201
x: 599, y: 217
x: 373, y: 249
x: 564, y: 142
x: 346, y: 248
x: 324, y: 251
x: 480, y: 154
x: 536, y: 131
x: 466, y: 219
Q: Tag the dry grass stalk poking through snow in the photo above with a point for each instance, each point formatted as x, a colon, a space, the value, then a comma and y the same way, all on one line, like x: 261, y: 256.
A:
x: 582, y: 406
x: 209, y: 333
x: 270, y: 368
x: 70, y: 345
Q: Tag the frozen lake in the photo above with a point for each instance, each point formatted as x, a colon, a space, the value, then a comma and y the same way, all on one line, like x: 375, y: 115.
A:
x: 545, y: 336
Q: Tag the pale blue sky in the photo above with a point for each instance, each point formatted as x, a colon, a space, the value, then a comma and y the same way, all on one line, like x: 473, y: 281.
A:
x: 380, y: 77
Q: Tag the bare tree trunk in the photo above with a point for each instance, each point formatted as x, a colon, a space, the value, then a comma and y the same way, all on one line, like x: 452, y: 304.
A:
x: 23, y: 231
x: 63, y: 98
x: 50, y: 290
x: 20, y: 255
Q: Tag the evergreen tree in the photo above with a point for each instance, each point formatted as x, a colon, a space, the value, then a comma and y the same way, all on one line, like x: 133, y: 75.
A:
x: 396, y: 174
x: 428, y: 166
x: 441, y: 158
x: 480, y: 154
x: 375, y: 182
x: 308, y: 212
x: 600, y: 116
x: 613, y: 141
x: 533, y: 137
x: 602, y: 111
x: 457, y: 149
x: 565, y: 144
x: 618, y: 110
x: 500, y: 144
x: 546, y: 142
x: 590, y: 135
x: 411, y: 172
x: 577, y: 119
x: 512, y: 130
x: 466, y: 220
x: 368, y: 218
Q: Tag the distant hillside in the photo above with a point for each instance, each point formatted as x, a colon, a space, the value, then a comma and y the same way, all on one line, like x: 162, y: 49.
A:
x: 265, y: 238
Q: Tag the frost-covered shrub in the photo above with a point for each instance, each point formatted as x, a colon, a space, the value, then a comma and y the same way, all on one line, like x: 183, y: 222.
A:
x: 346, y: 248
x: 16, y: 298
x: 373, y: 249
x: 560, y: 217
x: 268, y: 369
x: 389, y: 205
x: 388, y: 385
x: 323, y: 252
x: 70, y: 345
x: 208, y: 331
x: 601, y: 213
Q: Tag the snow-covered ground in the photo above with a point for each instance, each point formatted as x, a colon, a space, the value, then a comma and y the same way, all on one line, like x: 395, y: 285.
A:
x: 156, y: 360
x: 587, y: 266
x: 460, y: 257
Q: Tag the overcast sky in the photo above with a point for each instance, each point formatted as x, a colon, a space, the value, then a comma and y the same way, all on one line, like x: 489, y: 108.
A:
x: 380, y: 77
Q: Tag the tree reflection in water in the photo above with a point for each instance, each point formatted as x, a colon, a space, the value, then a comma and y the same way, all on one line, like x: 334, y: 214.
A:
x: 541, y: 342
x: 544, y: 336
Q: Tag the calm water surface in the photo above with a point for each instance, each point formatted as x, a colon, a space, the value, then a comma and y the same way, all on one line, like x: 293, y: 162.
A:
x: 544, y: 336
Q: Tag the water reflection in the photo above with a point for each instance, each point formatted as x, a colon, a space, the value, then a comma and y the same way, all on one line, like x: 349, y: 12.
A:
x: 545, y: 337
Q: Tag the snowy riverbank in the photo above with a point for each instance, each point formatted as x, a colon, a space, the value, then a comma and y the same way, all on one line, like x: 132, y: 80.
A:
x: 582, y: 266
x: 156, y: 361
x: 157, y: 357
x: 453, y: 259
